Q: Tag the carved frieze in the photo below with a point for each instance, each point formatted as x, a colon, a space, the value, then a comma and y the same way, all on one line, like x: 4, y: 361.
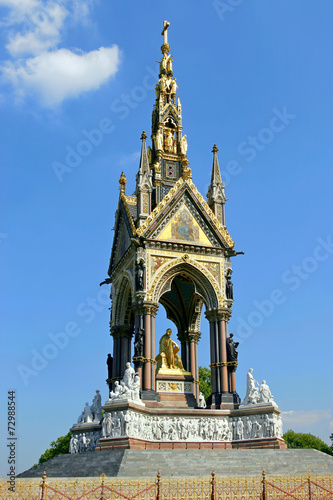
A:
x: 129, y: 423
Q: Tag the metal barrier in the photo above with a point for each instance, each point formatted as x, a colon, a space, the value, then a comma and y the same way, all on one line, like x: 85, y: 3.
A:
x: 166, y: 488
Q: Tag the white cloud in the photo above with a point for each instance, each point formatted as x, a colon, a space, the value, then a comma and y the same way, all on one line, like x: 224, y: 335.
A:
x: 34, y: 31
x: 81, y: 9
x: 305, y: 418
x: 19, y: 10
x: 316, y: 422
x: 58, y: 75
x: 44, y: 35
x: 128, y: 159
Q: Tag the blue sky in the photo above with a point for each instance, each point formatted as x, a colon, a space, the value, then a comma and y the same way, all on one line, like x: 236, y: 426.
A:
x: 76, y: 92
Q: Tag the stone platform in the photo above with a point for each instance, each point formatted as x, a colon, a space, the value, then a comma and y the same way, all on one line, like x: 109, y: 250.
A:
x: 146, y: 463
x: 143, y: 444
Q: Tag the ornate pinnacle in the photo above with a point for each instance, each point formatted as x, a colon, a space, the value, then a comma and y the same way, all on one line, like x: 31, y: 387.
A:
x: 122, y: 183
x: 143, y: 136
x: 215, y: 149
x: 187, y: 172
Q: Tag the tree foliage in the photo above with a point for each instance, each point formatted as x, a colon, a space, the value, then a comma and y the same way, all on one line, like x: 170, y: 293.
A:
x: 300, y: 440
x: 58, y: 447
x: 205, y: 381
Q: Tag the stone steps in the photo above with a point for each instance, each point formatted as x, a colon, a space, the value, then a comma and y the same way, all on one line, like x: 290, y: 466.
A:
x: 146, y: 463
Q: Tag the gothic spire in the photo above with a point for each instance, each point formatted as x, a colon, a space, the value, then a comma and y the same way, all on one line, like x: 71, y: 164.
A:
x: 216, y: 196
x: 168, y: 155
x: 144, y: 164
x: 216, y: 174
x: 144, y: 185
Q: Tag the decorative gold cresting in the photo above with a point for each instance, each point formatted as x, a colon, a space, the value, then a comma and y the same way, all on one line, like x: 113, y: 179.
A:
x: 140, y: 230
x: 129, y: 215
x: 157, y: 210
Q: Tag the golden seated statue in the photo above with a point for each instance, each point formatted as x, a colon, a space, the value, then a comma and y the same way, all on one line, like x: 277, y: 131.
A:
x: 168, y: 360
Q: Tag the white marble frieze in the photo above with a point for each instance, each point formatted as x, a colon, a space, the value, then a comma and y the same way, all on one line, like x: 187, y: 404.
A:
x: 129, y: 423
x: 82, y: 442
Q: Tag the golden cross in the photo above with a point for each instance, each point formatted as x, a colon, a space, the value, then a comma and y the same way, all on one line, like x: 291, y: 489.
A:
x: 165, y: 31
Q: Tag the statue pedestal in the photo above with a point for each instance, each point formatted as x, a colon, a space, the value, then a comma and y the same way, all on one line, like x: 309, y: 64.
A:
x: 85, y: 436
x: 176, y: 390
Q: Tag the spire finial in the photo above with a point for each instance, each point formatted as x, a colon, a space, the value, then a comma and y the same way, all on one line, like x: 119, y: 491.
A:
x: 143, y: 136
x: 165, y: 47
x: 122, y: 183
x: 215, y: 149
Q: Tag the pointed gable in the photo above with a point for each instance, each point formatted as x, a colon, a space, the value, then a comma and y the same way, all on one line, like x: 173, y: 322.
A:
x: 184, y: 228
x: 183, y: 213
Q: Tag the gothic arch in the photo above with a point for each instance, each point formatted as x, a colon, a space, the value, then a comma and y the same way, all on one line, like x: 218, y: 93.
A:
x: 123, y: 301
x: 204, y: 282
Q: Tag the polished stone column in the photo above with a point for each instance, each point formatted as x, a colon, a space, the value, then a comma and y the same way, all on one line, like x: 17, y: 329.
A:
x: 233, y: 380
x: 223, y: 392
x: 147, y: 353
x: 194, y: 367
x: 213, y: 356
x: 185, y: 351
x: 122, y: 335
x: 149, y: 310
x: 223, y: 356
x: 139, y: 325
x: 152, y: 366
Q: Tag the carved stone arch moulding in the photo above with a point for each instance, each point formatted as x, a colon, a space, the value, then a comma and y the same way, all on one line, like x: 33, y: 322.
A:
x: 125, y: 275
x: 196, y: 318
x: 209, y: 287
x: 124, y: 291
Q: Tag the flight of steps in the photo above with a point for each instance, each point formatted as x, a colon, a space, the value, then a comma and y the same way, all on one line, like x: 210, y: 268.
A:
x: 146, y: 463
